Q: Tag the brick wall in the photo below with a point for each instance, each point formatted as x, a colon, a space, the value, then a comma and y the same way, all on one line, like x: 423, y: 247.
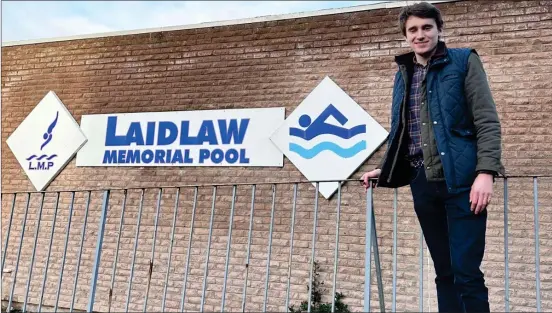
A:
x: 272, y: 64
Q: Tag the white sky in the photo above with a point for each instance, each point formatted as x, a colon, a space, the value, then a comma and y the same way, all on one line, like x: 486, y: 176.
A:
x: 26, y: 20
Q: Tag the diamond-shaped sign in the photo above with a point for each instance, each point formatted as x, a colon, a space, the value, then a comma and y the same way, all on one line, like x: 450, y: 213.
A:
x: 328, y: 136
x: 46, y: 141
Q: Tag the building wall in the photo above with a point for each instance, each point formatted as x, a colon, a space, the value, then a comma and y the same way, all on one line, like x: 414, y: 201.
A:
x: 272, y: 64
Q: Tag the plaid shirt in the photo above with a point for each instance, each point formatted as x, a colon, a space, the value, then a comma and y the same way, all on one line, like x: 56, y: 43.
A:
x: 414, y: 104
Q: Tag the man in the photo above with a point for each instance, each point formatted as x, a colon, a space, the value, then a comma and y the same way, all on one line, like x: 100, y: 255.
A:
x: 445, y: 142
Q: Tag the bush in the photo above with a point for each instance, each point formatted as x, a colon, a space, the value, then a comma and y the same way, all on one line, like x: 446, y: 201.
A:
x: 316, y: 298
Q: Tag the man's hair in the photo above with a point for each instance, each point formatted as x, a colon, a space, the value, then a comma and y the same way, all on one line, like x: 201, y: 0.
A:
x: 421, y: 10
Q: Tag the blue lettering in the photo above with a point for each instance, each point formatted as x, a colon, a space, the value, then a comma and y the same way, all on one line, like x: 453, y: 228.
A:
x: 217, y: 156
x: 147, y: 156
x: 133, y: 156
x: 135, y: 134
x: 185, y: 138
x: 187, y: 158
x: 150, y: 133
x: 110, y: 138
x: 177, y: 157
x: 232, y: 130
x: 159, y: 156
x: 207, y: 133
x: 231, y: 156
x: 121, y: 157
x: 110, y: 156
x: 162, y: 137
x: 50, y: 164
x: 203, y: 154
x: 41, y: 166
x: 243, y: 158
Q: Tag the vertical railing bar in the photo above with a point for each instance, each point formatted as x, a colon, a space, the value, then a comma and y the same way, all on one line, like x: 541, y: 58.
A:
x: 313, y: 244
x: 34, y: 252
x: 269, y: 246
x: 336, y: 252
x: 537, y: 242
x: 80, y: 252
x: 253, y: 188
x: 139, y: 220
x: 395, y: 235
x: 8, y: 233
x: 228, y: 248
x: 188, y: 251
x: 97, y: 255
x: 150, y: 270
x: 170, y: 249
x: 121, y: 220
x: 377, y: 262
x: 65, y: 249
x: 506, y: 244
x: 49, y: 251
x: 19, y: 251
x: 291, y: 245
x: 206, y: 268
x: 421, y: 296
x: 368, y: 250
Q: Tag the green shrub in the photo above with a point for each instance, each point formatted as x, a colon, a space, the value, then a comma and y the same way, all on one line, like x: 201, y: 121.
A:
x: 316, y: 298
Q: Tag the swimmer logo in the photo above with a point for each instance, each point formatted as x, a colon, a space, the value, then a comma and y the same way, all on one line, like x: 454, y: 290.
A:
x: 328, y: 136
x: 46, y: 141
x: 321, y: 127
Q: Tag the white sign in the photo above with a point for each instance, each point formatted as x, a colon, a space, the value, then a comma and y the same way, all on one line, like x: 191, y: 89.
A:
x: 238, y: 137
x: 46, y: 141
x: 328, y: 136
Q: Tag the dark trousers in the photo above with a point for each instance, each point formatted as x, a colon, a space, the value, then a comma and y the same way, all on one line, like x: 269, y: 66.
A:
x: 455, y: 237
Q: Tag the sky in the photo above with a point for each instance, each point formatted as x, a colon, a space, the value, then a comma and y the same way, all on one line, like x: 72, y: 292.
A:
x: 32, y: 20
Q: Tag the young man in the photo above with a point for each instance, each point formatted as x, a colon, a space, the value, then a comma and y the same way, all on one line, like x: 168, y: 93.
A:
x: 445, y: 142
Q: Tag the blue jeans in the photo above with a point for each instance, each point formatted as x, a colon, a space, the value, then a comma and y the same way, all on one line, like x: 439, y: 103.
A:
x: 455, y: 237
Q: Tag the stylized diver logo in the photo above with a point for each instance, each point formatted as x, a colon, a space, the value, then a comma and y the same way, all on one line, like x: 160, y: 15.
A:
x: 48, y: 134
x: 47, y: 137
x: 320, y: 127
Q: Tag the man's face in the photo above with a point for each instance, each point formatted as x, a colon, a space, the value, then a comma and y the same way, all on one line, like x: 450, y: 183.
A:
x: 422, y: 34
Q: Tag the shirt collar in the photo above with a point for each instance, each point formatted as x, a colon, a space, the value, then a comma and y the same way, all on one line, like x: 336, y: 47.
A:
x: 410, y: 57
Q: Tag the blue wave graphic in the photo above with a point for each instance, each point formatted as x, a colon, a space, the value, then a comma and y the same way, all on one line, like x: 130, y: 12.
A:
x: 326, y: 145
x: 41, y: 157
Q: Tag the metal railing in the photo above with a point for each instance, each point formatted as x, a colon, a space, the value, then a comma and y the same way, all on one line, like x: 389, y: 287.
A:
x: 240, y: 291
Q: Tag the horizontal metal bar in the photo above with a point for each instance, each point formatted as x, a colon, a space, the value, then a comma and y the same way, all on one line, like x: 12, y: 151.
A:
x: 289, y: 182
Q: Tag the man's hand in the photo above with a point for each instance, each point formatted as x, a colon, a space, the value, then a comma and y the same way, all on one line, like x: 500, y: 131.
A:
x: 481, y: 192
x: 370, y: 175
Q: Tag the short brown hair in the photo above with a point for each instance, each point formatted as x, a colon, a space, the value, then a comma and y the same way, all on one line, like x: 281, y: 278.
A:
x: 421, y: 10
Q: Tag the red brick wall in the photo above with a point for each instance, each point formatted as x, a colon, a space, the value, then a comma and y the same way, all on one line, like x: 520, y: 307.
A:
x: 273, y: 64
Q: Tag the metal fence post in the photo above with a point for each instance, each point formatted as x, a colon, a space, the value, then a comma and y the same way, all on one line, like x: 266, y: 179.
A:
x: 98, y: 253
x: 368, y: 250
x: 506, y: 243
x: 537, y: 242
